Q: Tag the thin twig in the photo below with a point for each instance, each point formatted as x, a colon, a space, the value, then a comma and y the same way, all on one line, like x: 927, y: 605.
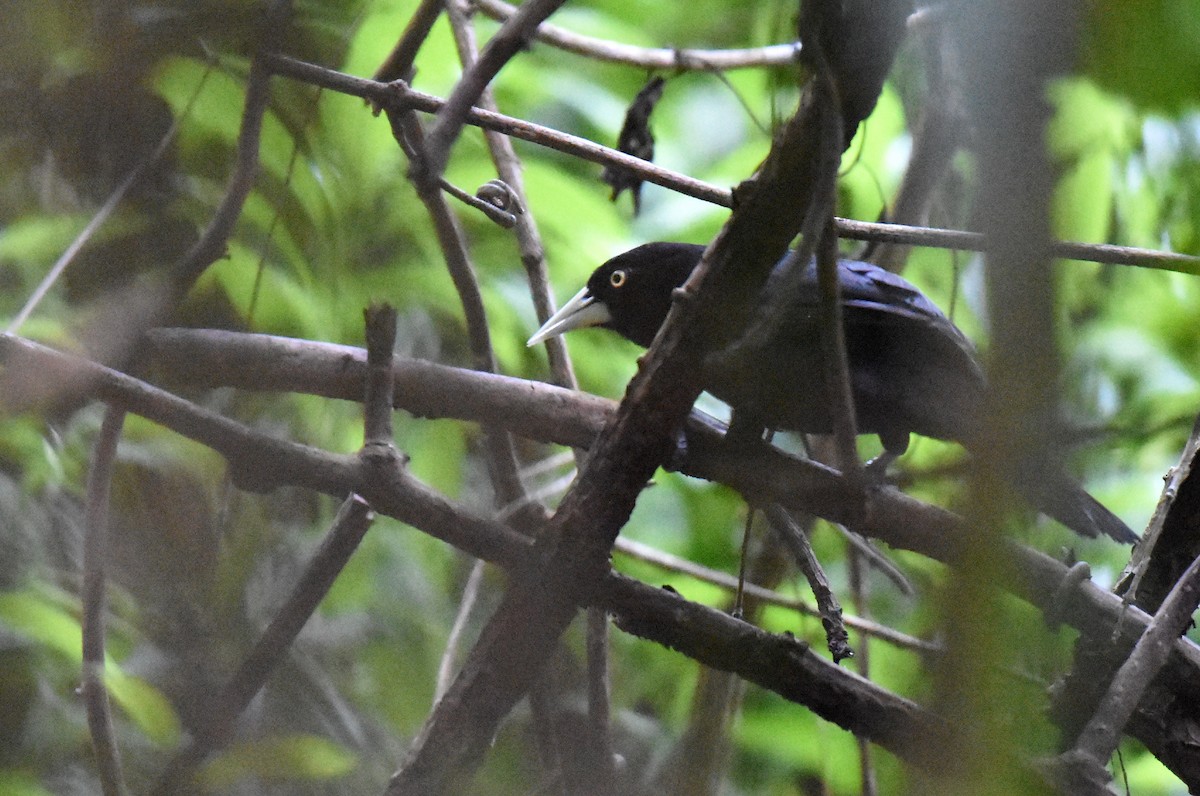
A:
x: 960, y: 240
x: 212, y: 242
x: 380, y: 388
x: 857, y: 567
x: 501, y: 217
x: 501, y: 456
x: 829, y: 609
x: 839, y: 392
x: 679, y: 60
x: 448, y: 663
x: 874, y: 557
x: 105, y: 211
x: 739, y: 596
x: 650, y: 555
x: 543, y: 699
x: 103, y: 214
x: 399, y: 63
x: 95, y: 551
x: 398, y: 96
x: 599, y: 772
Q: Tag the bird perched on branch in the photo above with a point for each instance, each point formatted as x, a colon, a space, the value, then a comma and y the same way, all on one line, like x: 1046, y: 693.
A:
x: 911, y: 369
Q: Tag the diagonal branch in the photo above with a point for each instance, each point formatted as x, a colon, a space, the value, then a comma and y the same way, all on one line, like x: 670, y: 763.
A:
x: 351, y: 524
x: 513, y: 36
x: 410, y: 135
x: 1100, y: 737
x: 508, y: 167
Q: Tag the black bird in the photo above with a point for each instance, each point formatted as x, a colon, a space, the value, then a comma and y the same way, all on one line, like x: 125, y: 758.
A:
x: 911, y: 369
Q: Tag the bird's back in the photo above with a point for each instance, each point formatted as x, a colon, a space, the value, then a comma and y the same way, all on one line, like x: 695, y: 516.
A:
x: 911, y: 369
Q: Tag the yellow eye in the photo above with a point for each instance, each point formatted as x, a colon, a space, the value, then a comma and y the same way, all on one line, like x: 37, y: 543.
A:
x: 617, y: 278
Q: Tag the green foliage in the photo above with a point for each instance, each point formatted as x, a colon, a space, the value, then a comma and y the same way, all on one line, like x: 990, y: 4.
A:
x: 43, y: 619
x: 288, y: 759
x: 332, y: 224
x: 1146, y: 50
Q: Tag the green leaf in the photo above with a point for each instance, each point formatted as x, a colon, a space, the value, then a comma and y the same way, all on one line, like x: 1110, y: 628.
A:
x: 1146, y: 50
x: 42, y: 619
x: 16, y: 783
x: 289, y: 758
x: 146, y: 706
x: 1083, y: 200
x: 1087, y: 117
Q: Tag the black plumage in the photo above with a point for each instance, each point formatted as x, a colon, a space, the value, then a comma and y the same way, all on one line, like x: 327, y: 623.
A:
x: 911, y: 369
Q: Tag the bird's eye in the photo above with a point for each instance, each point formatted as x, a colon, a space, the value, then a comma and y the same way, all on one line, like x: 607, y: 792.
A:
x: 617, y: 278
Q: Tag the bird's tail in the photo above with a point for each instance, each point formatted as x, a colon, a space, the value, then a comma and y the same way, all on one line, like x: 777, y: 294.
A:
x: 1057, y: 495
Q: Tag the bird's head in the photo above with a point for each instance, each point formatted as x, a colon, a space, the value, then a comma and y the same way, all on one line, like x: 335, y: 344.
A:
x: 630, y: 294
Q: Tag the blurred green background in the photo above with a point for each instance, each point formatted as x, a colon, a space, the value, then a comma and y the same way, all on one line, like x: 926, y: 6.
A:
x: 89, y: 90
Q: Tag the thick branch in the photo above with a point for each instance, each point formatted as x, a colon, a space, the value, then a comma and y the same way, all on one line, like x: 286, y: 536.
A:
x: 1101, y: 735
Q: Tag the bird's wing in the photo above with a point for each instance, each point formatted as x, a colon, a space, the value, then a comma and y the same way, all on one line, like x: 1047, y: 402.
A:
x: 871, y: 287
x: 875, y: 296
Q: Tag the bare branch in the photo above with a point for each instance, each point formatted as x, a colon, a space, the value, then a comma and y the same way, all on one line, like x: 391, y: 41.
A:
x: 260, y: 463
x: 448, y: 664
x: 501, y: 456
x: 677, y: 60
x: 400, y: 96
x: 599, y: 771
x: 828, y: 607
x: 399, y: 63
x: 976, y: 242
x: 780, y: 664
x: 95, y: 551
x: 102, y: 215
x: 380, y: 392
x: 650, y: 555
x: 1170, y: 539
x: 215, y: 237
